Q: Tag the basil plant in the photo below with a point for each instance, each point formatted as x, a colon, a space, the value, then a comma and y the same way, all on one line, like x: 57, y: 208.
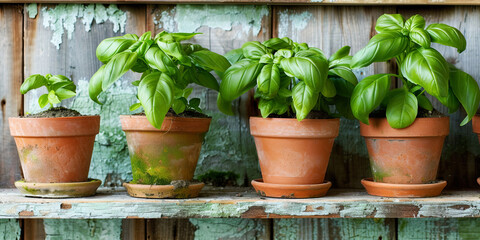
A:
x: 59, y: 88
x: 167, y: 66
x: 290, y: 78
x: 422, y: 70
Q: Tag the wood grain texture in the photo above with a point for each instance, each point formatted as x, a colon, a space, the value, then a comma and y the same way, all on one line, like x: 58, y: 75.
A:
x: 11, y: 77
x: 33, y: 229
x: 277, y: 2
x: 133, y: 229
x: 437, y: 228
x: 330, y: 28
x: 317, y: 229
x: 225, y: 203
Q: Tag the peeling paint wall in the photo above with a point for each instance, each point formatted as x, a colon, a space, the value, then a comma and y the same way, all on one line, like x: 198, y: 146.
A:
x: 292, y: 22
x: 216, y: 228
x: 62, y: 18
x: 9, y: 229
x: 101, y: 229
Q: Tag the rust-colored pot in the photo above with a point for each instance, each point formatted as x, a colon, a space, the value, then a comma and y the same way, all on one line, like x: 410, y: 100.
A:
x: 160, y: 156
x: 292, y: 151
x: 476, y: 125
x: 408, y: 155
x: 55, y: 150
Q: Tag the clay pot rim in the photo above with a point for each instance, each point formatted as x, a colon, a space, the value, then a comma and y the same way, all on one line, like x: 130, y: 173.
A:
x: 56, y: 118
x: 379, y: 128
x: 403, y: 186
x: 292, y: 128
x: 83, y: 189
x: 476, y: 123
x: 84, y: 126
x: 325, y: 184
x: 176, y: 124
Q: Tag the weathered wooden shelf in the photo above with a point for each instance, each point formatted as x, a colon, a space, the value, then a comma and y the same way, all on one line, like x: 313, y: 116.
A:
x: 270, y: 2
x: 241, y: 203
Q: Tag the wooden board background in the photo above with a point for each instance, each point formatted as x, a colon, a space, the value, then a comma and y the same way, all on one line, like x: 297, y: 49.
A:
x: 26, y: 49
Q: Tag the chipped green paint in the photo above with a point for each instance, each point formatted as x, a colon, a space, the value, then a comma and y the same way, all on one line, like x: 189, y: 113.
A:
x: 57, y: 229
x: 292, y: 22
x: 436, y: 228
x: 110, y: 160
x: 215, y: 228
x: 32, y: 10
x: 63, y: 17
x: 9, y: 229
x: 166, y: 21
x: 286, y: 228
x: 189, y: 18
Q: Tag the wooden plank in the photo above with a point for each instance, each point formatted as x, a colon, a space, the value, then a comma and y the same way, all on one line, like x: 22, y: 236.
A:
x: 133, y: 229
x: 170, y: 229
x: 458, y: 164
x: 277, y: 2
x: 316, y: 229
x: 229, y: 29
x: 220, y: 203
x: 436, y: 228
x: 231, y: 229
x: 11, y: 77
x: 330, y: 28
x: 33, y: 229
x: 95, y: 229
x: 77, y: 30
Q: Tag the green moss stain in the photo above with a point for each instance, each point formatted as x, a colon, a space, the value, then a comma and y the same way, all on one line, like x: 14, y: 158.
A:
x: 189, y: 18
x: 32, y: 10
x: 28, y: 154
x: 110, y: 160
x: 9, y: 229
x: 59, y: 229
x: 377, y: 172
x: 62, y: 18
x: 219, y: 179
x: 215, y: 228
x: 151, y: 170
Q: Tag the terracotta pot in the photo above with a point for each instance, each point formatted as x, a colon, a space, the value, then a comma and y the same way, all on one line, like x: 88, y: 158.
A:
x: 408, y: 155
x: 293, y: 152
x: 160, y: 156
x: 476, y: 125
x: 55, y: 150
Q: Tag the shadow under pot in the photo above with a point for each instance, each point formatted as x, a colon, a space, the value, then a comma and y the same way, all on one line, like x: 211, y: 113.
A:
x: 293, y: 155
x: 164, y: 160
x: 55, y: 155
x: 405, y: 162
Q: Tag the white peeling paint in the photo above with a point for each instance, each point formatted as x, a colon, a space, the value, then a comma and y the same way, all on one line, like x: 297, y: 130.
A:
x: 189, y: 18
x: 290, y: 22
x: 218, y: 228
x: 63, y: 17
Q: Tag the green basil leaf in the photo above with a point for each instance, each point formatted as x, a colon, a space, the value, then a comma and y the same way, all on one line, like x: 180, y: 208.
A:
x: 342, y: 104
x: 276, y: 44
x: 135, y: 106
x: 206, y: 79
x: 155, y: 93
x: 183, y: 36
x: 146, y: 36
x: 116, y: 67
x: 343, y: 88
x: 234, y: 55
x: 266, y: 107
x: 328, y: 89
x: 402, y: 109
x: 158, y: 59
x: 33, y: 82
x: 210, y: 60
x: 267, y: 58
x: 340, y: 53
x: 186, y: 92
x: 224, y: 106
x: 344, y: 62
x: 368, y: 95
x: 424, y: 102
x: 52, y: 97
x: 140, y: 66
x: 451, y: 102
x: 312, y: 70
x: 136, y: 83
x: 286, y: 53
x: 194, y: 102
x: 380, y: 48
x: 95, y: 84
x: 254, y: 50
x: 63, y: 93
x: 268, y: 81
x: 179, y: 105
x: 310, y: 53
x: 43, y: 100
x: 345, y: 73
x: 467, y: 92
x: 174, y: 49
x: 427, y: 68
x: 109, y: 47
x: 304, y: 99
x: 389, y: 22
x: 415, y: 21
x: 239, y: 78
x: 284, y: 92
x: 420, y: 37
x: 447, y: 35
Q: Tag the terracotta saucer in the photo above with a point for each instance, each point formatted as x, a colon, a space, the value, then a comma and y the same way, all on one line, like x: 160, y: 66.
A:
x: 58, y: 190
x: 403, y: 190
x: 291, y: 190
x: 163, y: 191
x: 478, y: 180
